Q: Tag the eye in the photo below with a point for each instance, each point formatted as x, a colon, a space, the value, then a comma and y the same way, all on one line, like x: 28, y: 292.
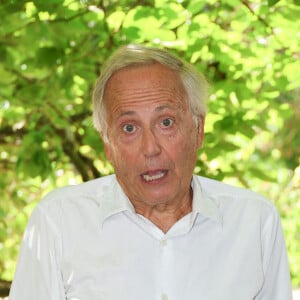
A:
x: 167, y: 122
x: 129, y: 128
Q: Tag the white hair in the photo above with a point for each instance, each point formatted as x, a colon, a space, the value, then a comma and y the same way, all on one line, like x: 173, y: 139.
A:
x: 194, y: 82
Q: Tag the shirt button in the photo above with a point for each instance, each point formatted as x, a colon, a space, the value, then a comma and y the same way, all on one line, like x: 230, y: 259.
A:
x: 164, y: 297
x: 164, y: 243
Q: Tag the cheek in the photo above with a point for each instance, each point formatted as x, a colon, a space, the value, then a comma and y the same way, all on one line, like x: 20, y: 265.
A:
x: 187, y: 152
x: 122, y: 158
x: 189, y: 140
x: 183, y: 155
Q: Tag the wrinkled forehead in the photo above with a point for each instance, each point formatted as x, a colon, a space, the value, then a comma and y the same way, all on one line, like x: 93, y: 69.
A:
x: 150, y: 81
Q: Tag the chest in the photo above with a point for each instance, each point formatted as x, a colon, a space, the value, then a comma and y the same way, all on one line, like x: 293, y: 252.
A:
x: 123, y: 261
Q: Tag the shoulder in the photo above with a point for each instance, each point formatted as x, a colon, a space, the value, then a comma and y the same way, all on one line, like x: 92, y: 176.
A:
x: 75, y: 204
x: 87, y: 193
x: 228, y: 196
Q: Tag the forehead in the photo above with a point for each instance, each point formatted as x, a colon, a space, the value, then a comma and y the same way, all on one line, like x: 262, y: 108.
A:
x: 142, y: 85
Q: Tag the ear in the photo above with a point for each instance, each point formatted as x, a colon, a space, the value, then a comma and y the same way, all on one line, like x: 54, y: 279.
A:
x: 106, y: 145
x: 107, y: 150
x: 201, y: 122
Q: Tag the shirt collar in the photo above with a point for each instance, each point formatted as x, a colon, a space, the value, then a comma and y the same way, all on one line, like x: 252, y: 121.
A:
x: 113, y: 200
x: 203, y: 203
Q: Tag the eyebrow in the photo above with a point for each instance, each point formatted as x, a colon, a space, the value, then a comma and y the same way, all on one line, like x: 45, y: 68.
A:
x: 163, y: 107
x: 132, y: 112
x: 126, y: 113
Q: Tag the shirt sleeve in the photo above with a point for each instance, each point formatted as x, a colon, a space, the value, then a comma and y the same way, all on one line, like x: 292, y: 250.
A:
x: 38, y: 275
x: 277, y: 284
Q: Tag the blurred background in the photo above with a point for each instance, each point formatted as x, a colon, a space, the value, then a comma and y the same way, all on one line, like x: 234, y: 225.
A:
x: 51, y: 53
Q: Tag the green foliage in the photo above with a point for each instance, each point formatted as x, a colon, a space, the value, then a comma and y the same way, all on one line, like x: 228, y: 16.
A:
x: 51, y: 53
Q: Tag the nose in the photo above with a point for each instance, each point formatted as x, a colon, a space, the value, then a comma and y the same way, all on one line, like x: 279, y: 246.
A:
x: 150, y: 143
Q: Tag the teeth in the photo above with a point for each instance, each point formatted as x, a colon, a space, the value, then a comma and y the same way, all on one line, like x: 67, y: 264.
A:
x: 153, y: 177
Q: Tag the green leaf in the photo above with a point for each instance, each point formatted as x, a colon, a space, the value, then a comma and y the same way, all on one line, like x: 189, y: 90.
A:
x: 12, y: 6
x: 115, y: 20
x: 49, y: 5
x: 228, y: 147
x: 272, y: 2
x: 49, y: 56
x: 172, y: 16
x: 195, y: 7
x: 257, y: 173
x: 33, y: 159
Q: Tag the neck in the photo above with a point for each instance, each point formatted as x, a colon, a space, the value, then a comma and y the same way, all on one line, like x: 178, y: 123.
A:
x: 165, y: 215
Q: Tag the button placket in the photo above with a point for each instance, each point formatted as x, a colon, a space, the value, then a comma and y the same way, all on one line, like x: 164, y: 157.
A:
x: 165, y: 268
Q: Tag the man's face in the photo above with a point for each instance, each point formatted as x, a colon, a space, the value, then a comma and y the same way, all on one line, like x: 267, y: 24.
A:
x: 153, y: 140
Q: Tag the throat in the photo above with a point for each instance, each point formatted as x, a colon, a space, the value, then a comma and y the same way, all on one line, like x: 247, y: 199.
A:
x: 165, y: 216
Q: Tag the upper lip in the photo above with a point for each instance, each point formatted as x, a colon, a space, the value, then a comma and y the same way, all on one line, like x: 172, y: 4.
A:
x: 153, y: 172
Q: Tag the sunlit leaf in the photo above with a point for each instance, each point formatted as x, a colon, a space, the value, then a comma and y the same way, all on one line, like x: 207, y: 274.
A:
x: 272, y: 2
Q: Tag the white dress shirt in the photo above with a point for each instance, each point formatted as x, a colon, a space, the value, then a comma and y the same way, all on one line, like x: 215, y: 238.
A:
x: 86, y: 242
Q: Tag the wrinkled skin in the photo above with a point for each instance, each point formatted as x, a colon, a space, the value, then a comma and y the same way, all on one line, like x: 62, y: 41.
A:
x: 153, y: 141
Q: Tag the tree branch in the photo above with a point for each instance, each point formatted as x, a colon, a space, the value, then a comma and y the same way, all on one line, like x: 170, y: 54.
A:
x: 4, y: 287
x: 264, y: 22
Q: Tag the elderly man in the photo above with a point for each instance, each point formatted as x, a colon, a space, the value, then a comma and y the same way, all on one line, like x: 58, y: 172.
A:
x: 153, y: 230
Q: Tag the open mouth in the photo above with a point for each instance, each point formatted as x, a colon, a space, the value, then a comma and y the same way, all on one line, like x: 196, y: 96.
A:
x: 154, y: 175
